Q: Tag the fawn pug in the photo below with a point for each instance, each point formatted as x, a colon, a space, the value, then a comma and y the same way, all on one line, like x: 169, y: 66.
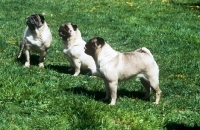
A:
x: 74, y: 49
x: 114, y: 66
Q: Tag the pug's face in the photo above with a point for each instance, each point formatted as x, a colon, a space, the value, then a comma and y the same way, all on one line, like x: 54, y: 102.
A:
x: 35, y: 21
x: 67, y: 30
x: 94, y: 45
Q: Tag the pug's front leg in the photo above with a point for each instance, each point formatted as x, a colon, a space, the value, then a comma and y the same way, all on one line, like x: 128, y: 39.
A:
x: 113, y: 91
x: 107, y: 90
x: 42, y: 58
x: 77, y: 65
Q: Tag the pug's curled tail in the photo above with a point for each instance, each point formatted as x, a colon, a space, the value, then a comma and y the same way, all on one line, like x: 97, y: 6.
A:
x: 21, y: 49
x: 145, y: 50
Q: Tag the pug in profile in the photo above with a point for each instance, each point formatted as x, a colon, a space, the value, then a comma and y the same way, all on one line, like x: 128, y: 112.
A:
x: 114, y: 66
x: 37, y: 37
x: 74, y: 49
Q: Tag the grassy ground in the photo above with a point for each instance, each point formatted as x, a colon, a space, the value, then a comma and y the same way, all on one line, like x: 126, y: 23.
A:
x: 51, y: 98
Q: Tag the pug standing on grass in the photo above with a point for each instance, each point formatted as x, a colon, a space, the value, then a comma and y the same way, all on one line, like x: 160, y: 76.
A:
x: 74, y: 48
x: 113, y: 66
x: 37, y: 37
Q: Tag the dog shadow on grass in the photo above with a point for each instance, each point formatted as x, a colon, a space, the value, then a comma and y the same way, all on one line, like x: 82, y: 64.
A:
x: 175, y: 126
x: 66, y: 69
x: 34, y: 59
x: 100, y: 95
x: 186, y: 5
x: 60, y: 69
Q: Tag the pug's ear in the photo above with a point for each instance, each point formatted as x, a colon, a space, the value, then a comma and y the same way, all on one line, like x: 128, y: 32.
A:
x: 65, y: 27
x: 100, y: 41
x: 42, y: 18
x: 74, y: 27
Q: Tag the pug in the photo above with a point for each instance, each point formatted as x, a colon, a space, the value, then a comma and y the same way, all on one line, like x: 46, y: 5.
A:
x: 74, y: 48
x: 114, y: 66
x: 37, y: 37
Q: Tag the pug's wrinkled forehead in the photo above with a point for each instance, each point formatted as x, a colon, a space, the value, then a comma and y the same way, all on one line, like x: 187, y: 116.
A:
x: 96, y: 41
x: 69, y: 26
x: 35, y: 21
x: 93, y: 44
x: 66, y: 29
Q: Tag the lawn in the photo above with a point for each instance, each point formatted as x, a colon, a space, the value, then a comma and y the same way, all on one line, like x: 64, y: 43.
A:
x: 51, y: 98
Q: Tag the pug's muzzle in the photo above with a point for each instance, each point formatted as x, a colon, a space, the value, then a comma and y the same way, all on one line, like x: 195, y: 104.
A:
x: 64, y: 31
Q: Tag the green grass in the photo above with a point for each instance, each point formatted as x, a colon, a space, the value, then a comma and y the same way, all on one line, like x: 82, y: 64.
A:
x: 51, y: 98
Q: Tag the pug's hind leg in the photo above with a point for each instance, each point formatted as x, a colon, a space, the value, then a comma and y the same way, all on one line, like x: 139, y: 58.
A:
x: 158, y: 92
x: 154, y: 82
x: 21, y: 49
x: 27, y: 63
x: 93, y: 70
x: 147, y: 86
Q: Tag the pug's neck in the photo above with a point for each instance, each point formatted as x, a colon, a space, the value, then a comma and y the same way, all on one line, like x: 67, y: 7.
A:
x: 105, y: 55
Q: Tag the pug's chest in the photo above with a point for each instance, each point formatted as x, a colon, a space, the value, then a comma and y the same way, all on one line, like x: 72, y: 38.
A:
x: 33, y: 43
x: 73, y: 51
